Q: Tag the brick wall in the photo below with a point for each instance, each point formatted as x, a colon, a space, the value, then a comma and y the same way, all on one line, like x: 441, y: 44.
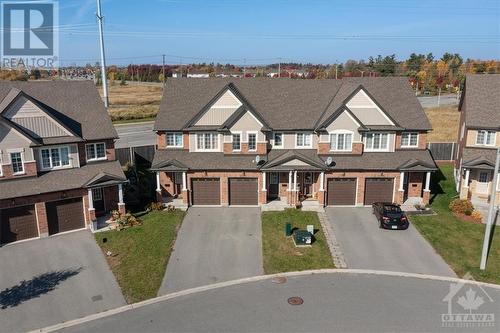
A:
x: 324, y: 149
x: 167, y: 183
x: 30, y: 170
x: 415, y: 182
x: 422, y: 141
x: 110, y: 150
x: 261, y: 149
x: 41, y: 215
x: 161, y: 140
x: 110, y: 198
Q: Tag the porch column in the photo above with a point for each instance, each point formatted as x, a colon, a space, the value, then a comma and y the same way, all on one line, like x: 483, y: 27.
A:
x: 427, y: 182
x: 91, y: 200
x: 120, y: 194
x: 322, y: 181
x: 466, y: 181
x: 264, y: 181
x: 184, y: 181
x: 290, y: 181
x: 158, y: 187
x: 92, y: 216
x: 401, y: 181
x: 295, y: 180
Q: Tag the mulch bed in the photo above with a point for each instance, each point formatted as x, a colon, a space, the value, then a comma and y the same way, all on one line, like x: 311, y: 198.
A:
x: 466, y: 218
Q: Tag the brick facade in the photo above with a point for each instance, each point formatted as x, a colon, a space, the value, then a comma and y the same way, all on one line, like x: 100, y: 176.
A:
x: 422, y: 141
x: 324, y: 149
x: 415, y: 184
x: 41, y: 215
x: 261, y: 149
x: 30, y: 170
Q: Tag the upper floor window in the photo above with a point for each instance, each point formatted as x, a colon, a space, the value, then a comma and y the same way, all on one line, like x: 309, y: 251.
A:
x: 486, y: 138
x: 409, y: 139
x: 53, y: 158
x: 303, y: 140
x: 236, y: 141
x: 278, y: 139
x: 16, y: 160
x: 207, y: 141
x: 252, y: 141
x: 341, y: 141
x: 377, y: 141
x: 174, y: 140
x: 96, y: 151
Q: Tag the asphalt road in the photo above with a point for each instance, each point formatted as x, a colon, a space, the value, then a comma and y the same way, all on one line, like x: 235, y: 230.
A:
x: 135, y: 134
x: 366, y: 246
x: 432, y: 101
x: 214, y: 245
x: 332, y: 302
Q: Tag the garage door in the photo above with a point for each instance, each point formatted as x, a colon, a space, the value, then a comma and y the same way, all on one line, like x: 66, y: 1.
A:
x: 341, y: 192
x: 378, y: 190
x: 17, y: 224
x: 206, y: 191
x: 65, y: 215
x: 243, y: 191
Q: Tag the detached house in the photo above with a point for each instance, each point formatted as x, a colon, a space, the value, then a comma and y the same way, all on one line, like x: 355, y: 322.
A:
x: 347, y: 142
x: 479, y: 138
x: 57, y: 160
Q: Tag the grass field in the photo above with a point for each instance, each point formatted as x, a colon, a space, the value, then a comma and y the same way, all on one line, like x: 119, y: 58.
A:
x: 141, y: 253
x: 458, y: 242
x: 280, y: 253
x: 444, y: 121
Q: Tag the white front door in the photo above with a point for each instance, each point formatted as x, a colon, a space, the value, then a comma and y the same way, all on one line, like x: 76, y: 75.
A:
x: 482, y: 182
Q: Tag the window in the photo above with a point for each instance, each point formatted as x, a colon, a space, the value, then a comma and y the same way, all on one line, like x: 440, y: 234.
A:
x: 377, y: 141
x: 236, y: 141
x: 341, y: 141
x: 16, y: 159
x: 207, y: 141
x: 252, y: 141
x: 486, y: 138
x: 55, y: 157
x: 278, y: 139
x: 96, y: 194
x: 483, y: 177
x: 96, y: 151
x: 303, y: 140
x: 409, y: 139
x: 174, y: 140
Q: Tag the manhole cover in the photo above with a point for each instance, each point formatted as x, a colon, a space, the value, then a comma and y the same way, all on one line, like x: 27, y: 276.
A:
x: 278, y: 279
x: 295, y: 300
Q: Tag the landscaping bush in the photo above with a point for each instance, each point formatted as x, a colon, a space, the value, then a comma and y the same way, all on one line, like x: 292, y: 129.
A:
x: 156, y: 206
x: 468, y: 212
x: 127, y: 220
x: 461, y: 206
x: 476, y: 215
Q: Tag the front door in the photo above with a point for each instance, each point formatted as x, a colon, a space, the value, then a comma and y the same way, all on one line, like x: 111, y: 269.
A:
x: 482, y: 183
x: 308, y: 180
x: 177, y: 183
x: 98, y: 199
x: 273, y: 185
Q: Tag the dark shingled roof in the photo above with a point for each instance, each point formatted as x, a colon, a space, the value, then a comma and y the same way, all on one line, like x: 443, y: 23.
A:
x: 60, y: 180
x: 76, y: 104
x: 481, y: 101
x: 290, y: 104
x: 479, y: 157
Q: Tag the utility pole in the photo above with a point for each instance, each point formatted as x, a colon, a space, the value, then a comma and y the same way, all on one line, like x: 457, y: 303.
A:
x: 163, y: 69
x: 103, y: 56
x: 491, y: 214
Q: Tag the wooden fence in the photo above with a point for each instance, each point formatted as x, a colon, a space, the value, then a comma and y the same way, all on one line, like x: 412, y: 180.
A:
x: 132, y: 155
x: 442, y: 151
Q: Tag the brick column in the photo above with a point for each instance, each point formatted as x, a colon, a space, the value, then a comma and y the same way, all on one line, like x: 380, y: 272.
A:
x: 321, y: 197
x: 41, y: 215
x: 185, y: 196
x: 426, y: 197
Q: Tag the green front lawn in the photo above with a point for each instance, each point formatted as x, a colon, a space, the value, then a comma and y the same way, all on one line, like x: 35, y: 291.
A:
x: 458, y: 242
x: 280, y: 253
x: 141, y: 253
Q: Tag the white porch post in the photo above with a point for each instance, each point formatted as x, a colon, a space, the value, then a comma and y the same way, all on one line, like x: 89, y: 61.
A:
x: 120, y: 193
x: 427, y: 182
x: 184, y: 181
x: 290, y: 181
x: 467, y: 175
x: 263, y: 181
x: 295, y: 180
x: 91, y: 200
x: 158, y: 187
x: 322, y: 181
x: 401, y: 181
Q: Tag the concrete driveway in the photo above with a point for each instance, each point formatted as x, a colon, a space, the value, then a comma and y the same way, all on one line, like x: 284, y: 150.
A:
x: 366, y: 246
x: 214, y: 245
x: 55, y: 279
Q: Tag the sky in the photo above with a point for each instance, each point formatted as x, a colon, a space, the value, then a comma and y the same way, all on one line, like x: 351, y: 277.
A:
x: 256, y: 32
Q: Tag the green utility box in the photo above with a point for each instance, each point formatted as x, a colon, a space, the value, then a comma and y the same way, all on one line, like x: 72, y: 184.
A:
x: 288, y: 229
x: 302, y: 238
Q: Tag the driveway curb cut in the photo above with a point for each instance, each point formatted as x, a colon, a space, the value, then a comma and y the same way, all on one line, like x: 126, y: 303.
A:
x: 187, y: 292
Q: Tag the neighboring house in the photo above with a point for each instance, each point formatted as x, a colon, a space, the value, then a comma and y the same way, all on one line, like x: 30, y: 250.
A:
x: 57, y: 159
x: 478, y: 137
x: 254, y: 141
x: 198, y: 74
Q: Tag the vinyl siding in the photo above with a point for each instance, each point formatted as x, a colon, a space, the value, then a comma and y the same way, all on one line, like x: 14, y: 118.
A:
x: 247, y: 123
x: 366, y: 110
x: 10, y: 139
x: 221, y: 110
x: 342, y: 122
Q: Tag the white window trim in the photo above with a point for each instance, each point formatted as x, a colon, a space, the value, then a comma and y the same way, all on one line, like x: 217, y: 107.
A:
x: 95, y: 149
x: 256, y: 139
x: 203, y: 133
x: 340, y: 132
x: 241, y: 139
x: 410, y: 145
x: 282, y: 140
x: 304, y: 146
x: 486, y: 132
x: 174, y: 146
x: 21, y: 151
x: 380, y: 149
x: 50, y: 155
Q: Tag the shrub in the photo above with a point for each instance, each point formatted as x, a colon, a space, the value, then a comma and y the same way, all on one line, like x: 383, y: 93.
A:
x: 476, y: 215
x: 156, y: 206
x: 127, y: 220
x: 468, y: 212
x: 461, y: 206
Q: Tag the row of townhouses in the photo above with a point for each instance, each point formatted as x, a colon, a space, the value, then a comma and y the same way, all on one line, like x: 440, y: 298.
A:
x: 234, y: 142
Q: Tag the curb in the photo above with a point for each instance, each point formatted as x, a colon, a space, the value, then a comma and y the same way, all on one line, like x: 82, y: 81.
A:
x: 191, y: 291
x: 336, y: 251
